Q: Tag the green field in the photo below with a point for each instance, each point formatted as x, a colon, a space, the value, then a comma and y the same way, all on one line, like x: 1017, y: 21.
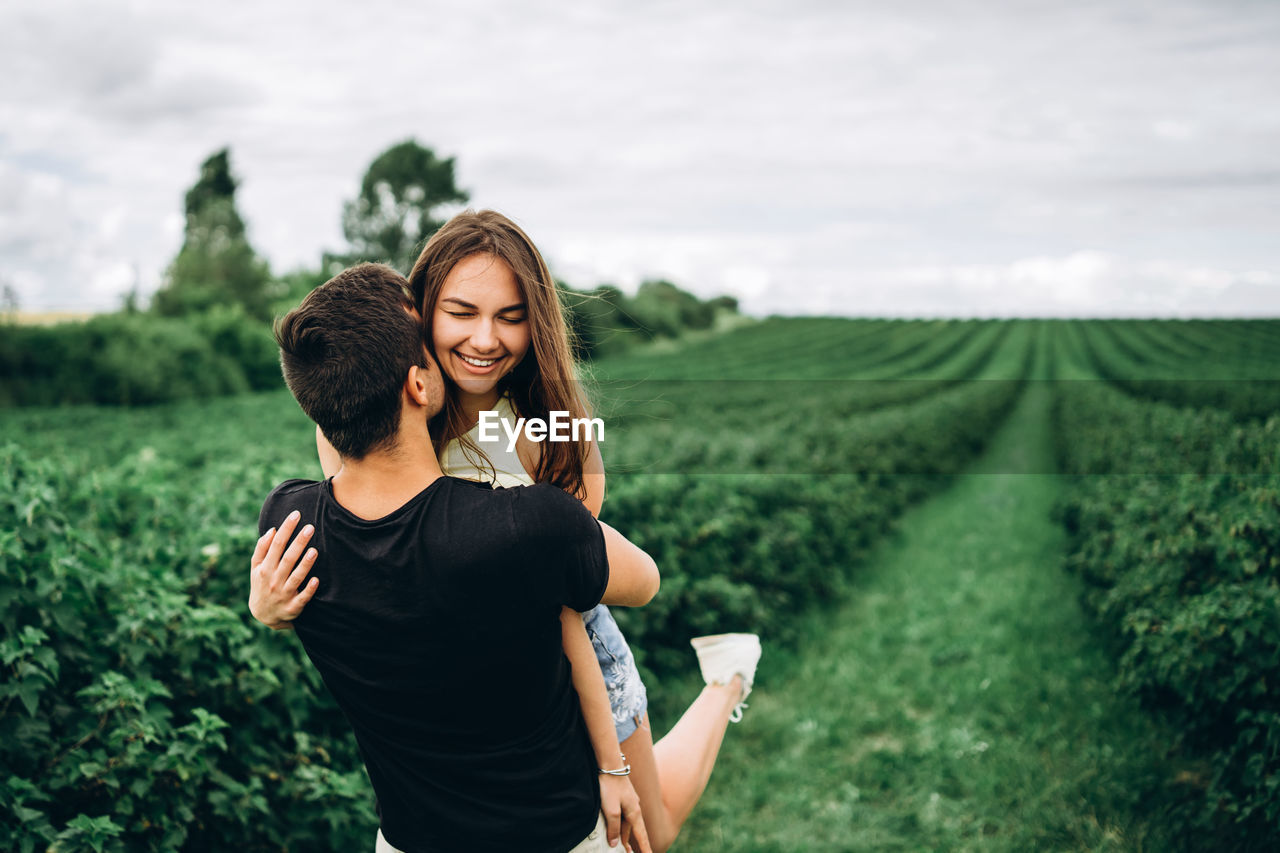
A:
x: 1016, y: 580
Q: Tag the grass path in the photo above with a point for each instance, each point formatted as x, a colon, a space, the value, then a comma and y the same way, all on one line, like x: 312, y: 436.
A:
x: 958, y: 700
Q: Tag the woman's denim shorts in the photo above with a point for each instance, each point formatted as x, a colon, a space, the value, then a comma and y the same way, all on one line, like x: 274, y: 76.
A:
x: 627, y: 697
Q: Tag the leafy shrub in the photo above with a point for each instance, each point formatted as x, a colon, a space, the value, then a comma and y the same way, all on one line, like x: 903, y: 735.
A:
x: 605, y: 321
x: 131, y: 359
x: 142, y: 709
x: 1177, y: 532
x: 249, y: 344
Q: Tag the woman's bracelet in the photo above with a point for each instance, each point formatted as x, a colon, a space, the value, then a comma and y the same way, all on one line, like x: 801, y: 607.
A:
x: 625, y: 771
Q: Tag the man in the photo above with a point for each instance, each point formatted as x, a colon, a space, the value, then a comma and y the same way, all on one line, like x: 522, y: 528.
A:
x: 434, y: 602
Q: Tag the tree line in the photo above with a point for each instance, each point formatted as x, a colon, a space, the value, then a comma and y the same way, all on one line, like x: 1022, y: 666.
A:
x: 207, y: 330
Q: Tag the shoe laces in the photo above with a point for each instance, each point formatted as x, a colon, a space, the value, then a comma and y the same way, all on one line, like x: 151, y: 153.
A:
x: 735, y: 716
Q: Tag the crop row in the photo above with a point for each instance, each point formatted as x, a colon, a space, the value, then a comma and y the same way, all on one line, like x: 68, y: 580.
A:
x: 1176, y: 532
x: 799, y: 348
x: 690, y: 425
x: 1232, y: 366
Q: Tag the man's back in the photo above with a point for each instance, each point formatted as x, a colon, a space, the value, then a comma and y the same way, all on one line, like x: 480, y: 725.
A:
x: 437, y: 630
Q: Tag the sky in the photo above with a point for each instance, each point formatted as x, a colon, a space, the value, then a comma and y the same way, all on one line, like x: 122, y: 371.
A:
x: 919, y: 158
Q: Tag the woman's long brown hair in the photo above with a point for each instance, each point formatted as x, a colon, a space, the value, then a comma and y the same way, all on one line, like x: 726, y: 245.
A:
x: 540, y: 384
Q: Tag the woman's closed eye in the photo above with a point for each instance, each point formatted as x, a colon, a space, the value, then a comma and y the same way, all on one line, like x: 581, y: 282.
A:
x: 506, y: 318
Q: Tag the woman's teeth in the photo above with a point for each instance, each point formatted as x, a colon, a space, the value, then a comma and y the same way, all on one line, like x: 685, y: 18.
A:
x: 477, y: 362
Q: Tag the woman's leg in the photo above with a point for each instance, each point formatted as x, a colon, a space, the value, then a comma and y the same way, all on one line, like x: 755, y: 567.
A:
x: 671, y: 775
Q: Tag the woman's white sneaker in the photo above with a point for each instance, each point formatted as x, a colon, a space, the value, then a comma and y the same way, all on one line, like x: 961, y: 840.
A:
x: 722, y: 656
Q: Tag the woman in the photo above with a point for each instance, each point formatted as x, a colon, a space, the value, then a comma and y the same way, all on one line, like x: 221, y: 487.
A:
x: 490, y: 309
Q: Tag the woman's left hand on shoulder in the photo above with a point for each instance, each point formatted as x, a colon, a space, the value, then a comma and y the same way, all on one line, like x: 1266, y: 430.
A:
x: 276, y: 574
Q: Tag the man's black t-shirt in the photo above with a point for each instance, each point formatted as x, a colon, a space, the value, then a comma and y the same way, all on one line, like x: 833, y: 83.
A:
x: 437, y: 630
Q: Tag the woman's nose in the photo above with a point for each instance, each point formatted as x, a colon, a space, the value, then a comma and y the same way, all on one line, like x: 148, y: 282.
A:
x: 482, y: 337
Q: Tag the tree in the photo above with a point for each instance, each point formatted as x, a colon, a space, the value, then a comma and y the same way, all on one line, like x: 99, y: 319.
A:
x: 9, y: 301
x: 666, y: 310
x: 216, y: 265
x: 394, y: 214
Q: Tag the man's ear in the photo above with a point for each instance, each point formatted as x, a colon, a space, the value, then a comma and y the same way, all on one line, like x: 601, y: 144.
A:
x: 416, y: 386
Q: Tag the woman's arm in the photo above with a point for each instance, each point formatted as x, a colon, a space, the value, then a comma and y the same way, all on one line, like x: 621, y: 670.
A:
x: 589, y: 682
x: 330, y: 461
x: 633, y: 575
x: 593, y: 480
x: 618, y: 799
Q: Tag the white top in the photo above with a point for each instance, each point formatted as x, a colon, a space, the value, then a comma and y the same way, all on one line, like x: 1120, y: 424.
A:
x: 503, y: 467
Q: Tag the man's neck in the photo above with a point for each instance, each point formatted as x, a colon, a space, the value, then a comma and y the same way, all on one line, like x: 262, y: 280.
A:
x: 383, y: 481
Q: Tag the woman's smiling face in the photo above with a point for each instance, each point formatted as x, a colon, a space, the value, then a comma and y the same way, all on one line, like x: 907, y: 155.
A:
x: 480, y: 325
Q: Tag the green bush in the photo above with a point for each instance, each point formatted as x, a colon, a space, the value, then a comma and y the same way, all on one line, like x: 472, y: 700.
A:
x: 130, y: 359
x: 142, y: 709
x: 1175, y: 526
x: 247, y: 343
x: 605, y: 321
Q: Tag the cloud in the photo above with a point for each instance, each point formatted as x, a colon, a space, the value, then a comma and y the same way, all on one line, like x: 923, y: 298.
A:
x: 56, y: 258
x: 110, y: 61
x: 806, y: 158
x: 1086, y: 283
x: 32, y: 210
x: 1245, y: 179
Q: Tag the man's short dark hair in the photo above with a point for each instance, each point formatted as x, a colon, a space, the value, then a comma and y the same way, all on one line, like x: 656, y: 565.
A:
x: 346, y: 353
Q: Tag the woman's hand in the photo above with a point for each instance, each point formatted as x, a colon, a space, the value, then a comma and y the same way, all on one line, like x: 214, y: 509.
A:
x: 621, y: 807
x: 274, y: 597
